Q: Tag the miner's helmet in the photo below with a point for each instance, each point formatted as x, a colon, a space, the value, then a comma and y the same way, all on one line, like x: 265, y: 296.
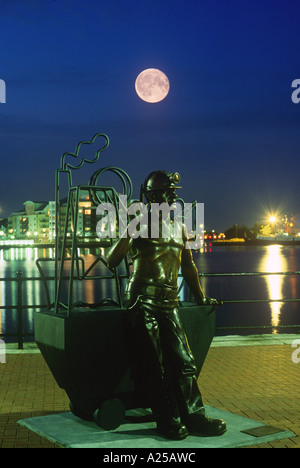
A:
x: 160, y: 180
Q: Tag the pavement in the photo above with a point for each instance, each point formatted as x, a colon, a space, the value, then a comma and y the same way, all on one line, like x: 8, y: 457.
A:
x: 257, y: 377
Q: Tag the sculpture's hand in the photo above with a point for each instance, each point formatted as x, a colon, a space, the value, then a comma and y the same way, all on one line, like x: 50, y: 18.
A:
x: 209, y: 301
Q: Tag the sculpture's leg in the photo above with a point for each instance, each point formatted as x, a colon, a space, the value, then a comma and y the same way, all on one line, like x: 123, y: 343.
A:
x: 148, y: 362
x: 183, y: 381
x: 191, y: 412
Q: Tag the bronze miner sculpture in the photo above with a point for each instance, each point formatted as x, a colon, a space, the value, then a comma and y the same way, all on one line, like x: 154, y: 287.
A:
x: 111, y: 355
x: 166, y: 362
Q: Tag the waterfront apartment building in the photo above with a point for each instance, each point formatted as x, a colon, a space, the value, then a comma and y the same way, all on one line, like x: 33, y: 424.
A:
x: 37, y: 220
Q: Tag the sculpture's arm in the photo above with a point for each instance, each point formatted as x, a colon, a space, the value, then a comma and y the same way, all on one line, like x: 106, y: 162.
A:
x: 190, y: 274
x: 118, y: 251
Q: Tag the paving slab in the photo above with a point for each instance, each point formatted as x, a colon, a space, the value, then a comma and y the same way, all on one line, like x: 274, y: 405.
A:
x: 255, y: 340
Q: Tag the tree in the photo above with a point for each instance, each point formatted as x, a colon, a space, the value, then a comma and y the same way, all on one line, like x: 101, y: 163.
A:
x: 240, y: 232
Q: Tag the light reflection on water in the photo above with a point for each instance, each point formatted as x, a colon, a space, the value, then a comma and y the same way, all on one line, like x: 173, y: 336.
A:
x: 272, y: 259
x: 262, y: 317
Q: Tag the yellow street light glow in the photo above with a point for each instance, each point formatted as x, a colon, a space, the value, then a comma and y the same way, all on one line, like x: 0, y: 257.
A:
x: 272, y: 219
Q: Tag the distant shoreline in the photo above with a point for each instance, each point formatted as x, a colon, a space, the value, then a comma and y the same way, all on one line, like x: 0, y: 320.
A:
x: 86, y: 245
x: 106, y: 243
x: 258, y: 242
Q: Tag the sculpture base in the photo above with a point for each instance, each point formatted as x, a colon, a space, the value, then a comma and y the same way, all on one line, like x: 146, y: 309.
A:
x: 88, y: 356
x: 69, y: 431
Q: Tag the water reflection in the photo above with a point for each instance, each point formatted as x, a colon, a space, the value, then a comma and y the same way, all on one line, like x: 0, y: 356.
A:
x: 222, y: 259
x: 274, y: 261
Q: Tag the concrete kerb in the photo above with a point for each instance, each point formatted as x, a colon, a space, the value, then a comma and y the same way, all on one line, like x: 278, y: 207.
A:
x: 218, y: 341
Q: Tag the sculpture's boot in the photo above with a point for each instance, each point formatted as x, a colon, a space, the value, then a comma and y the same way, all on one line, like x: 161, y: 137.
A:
x: 192, y: 411
x: 171, y: 429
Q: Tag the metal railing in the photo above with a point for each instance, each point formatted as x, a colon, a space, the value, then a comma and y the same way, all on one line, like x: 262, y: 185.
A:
x: 20, y: 307
x: 256, y: 301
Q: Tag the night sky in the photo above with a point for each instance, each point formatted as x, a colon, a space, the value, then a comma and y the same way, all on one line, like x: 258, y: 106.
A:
x: 228, y: 124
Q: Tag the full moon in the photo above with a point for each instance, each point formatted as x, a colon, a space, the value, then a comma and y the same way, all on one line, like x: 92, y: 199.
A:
x: 152, y: 85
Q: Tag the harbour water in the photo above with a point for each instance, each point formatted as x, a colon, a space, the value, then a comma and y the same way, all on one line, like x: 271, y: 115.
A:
x: 262, y: 317
x: 232, y: 318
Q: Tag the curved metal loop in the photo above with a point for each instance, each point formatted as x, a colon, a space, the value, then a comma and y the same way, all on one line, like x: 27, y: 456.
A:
x: 66, y: 165
x: 125, y: 179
